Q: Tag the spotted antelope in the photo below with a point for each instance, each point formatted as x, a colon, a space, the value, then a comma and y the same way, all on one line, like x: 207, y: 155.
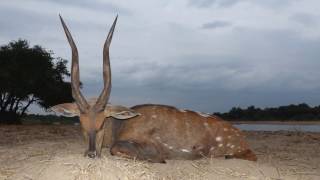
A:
x: 148, y: 132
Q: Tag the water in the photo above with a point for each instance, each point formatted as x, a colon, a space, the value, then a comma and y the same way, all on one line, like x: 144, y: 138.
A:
x: 278, y: 127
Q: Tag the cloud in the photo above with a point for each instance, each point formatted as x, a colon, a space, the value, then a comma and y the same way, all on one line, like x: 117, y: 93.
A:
x: 263, y: 53
x: 273, y: 4
x: 305, y: 19
x: 270, y: 4
x: 215, y: 25
x: 209, y: 3
x: 29, y: 22
x: 94, y: 5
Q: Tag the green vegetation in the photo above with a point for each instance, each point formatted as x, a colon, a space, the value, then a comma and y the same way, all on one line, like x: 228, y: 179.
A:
x: 30, y: 75
x: 300, y: 112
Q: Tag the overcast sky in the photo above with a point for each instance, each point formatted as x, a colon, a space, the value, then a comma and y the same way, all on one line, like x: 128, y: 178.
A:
x: 205, y: 55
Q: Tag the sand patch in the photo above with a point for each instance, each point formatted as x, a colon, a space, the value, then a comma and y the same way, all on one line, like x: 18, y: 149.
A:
x: 56, y: 152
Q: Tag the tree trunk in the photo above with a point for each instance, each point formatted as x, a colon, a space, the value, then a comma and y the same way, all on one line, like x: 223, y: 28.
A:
x: 26, y: 107
x: 7, y: 102
x: 13, y: 101
x: 7, y: 112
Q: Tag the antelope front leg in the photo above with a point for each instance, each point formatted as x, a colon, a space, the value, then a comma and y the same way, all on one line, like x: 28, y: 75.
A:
x: 99, y: 141
x: 134, y: 150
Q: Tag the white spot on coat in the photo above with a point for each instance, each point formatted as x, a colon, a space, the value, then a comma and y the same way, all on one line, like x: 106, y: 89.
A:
x: 220, y: 145
x: 165, y: 144
x: 203, y: 114
x: 232, y: 146
x: 225, y: 129
x: 154, y: 116
x: 219, y: 138
x: 212, y: 148
x: 185, y: 150
x: 229, y: 137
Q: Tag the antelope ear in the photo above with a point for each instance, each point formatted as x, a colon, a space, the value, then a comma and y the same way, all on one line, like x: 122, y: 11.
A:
x: 66, y: 109
x: 119, y: 112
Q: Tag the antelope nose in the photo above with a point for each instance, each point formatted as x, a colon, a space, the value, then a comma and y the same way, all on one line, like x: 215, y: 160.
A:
x: 92, y: 154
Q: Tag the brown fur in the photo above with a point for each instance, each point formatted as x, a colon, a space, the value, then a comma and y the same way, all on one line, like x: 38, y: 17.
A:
x: 164, y: 132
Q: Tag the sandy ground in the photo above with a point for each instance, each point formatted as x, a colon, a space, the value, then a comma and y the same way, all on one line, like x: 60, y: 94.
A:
x: 56, y: 152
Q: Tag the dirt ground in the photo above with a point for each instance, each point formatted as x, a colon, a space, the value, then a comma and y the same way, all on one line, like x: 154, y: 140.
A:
x: 56, y: 152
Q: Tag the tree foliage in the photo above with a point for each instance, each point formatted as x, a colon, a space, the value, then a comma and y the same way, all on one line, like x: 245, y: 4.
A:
x: 291, y: 112
x: 30, y: 75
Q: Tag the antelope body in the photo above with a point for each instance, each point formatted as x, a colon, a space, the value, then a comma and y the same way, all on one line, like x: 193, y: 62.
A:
x: 148, y: 132
x: 163, y: 132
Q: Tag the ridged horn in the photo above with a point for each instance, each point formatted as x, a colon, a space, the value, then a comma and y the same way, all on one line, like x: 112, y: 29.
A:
x: 104, y: 96
x: 75, y: 74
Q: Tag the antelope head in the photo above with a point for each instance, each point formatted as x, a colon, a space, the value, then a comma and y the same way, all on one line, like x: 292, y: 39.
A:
x: 92, y: 113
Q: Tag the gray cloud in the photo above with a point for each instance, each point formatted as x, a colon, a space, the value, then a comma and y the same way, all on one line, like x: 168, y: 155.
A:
x: 215, y: 25
x: 270, y: 4
x: 273, y: 4
x: 208, y: 3
x: 96, y: 5
x: 305, y: 19
x: 15, y: 21
x: 160, y: 55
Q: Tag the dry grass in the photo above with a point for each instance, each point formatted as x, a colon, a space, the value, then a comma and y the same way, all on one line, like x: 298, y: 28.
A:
x: 56, y: 152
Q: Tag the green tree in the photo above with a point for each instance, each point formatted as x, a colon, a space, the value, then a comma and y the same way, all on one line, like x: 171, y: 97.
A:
x: 30, y: 75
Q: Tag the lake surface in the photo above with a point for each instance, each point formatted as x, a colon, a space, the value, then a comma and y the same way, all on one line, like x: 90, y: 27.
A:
x: 278, y: 127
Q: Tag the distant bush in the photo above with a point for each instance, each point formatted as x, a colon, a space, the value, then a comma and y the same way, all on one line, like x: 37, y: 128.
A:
x: 300, y: 112
x: 48, y: 119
